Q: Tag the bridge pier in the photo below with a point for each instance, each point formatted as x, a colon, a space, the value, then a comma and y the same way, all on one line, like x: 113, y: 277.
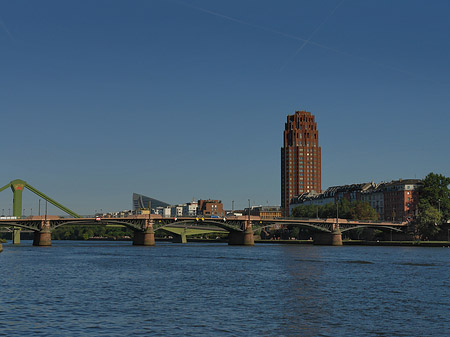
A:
x: 333, y: 238
x: 244, y: 238
x: 240, y: 239
x: 42, y: 238
x: 16, y: 235
x: 179, y: 238
x: 146, y: 237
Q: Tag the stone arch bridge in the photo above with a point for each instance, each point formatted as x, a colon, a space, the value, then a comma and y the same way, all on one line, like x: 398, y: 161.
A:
x: 240, y: 229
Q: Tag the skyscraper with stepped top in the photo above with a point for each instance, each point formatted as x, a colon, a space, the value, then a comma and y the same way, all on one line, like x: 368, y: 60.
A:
x: 300, y: 158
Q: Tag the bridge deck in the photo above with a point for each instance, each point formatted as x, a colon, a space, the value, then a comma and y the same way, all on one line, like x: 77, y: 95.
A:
x: 8, y: 221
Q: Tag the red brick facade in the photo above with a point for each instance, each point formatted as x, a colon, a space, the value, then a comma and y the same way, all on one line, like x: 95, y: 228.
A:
x: 300, y: 158
x: 401, y: 200
x: 210, y: 208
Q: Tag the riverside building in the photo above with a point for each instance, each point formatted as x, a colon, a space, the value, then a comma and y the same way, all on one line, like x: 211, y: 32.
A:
x: 395, y: 201
x: 300, y: 158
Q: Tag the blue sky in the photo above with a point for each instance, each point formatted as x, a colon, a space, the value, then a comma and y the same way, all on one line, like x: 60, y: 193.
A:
x: 187, y: 99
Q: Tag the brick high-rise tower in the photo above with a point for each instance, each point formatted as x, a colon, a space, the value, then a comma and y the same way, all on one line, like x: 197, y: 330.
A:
x: 300, y: 158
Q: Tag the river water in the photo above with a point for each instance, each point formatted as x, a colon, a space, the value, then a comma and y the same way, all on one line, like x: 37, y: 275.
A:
x: 201, y: 289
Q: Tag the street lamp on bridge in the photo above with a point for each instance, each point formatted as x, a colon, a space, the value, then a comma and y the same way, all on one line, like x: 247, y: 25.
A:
x: 337, y: 211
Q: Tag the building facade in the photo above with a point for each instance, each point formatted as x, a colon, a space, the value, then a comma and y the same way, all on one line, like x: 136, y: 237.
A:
x: 395, y: 201
x: 265, y: 212
x: 188, y: 209
x: 375, y: 198
x: 331, y: 195
x: 191, y: 209
x: 210, y: 208
x: 401, y: 200
x: 300, y: 158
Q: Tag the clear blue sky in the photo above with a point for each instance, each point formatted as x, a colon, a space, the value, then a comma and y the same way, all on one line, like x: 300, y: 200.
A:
x: 187, y: 99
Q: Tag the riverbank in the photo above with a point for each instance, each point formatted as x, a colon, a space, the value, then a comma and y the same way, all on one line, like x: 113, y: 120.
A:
x: 398, y: 243
x: 365, y: 243
x: 344, y: 242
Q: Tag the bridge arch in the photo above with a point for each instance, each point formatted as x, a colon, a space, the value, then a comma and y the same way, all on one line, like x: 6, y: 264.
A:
x: 93, y: 222
x: 346, y: 229
x: 228, y: 226
x: 299, y: 224
x: 20, y: 225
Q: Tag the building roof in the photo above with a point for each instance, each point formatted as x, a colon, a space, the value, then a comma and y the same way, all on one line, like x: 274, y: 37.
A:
x: 141, y: 201
x: 362, y: 188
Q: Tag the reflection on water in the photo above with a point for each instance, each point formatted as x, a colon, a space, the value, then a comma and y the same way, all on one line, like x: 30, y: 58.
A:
x: 115, y: 289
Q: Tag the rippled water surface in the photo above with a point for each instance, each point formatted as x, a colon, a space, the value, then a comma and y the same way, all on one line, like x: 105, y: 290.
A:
x: 116, y: 289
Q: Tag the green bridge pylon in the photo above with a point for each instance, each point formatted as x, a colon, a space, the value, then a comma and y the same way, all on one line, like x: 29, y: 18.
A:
x: 17, y: 186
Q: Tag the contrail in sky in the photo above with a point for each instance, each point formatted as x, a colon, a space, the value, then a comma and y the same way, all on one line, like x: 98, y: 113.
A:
x: 251, y: 24
x: 294, y: 37
x: 312, y: 34
x: 6, y: 30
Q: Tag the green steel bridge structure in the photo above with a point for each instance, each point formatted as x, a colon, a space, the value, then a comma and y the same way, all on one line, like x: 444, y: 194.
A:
x: 17, y: 186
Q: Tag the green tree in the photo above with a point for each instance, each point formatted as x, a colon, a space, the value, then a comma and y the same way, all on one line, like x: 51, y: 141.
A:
x: 434, y: 205
x: 305, y: 211
x: 87, y: 233
x: 361, y: 210
x: 357, y: 210
x: 435, y: 192
x: 328, y: 210
x: 74, y: 232
x: 345, y: 209
x: 428, y: 222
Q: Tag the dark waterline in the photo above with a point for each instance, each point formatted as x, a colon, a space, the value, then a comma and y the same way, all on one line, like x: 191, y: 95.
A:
x: 113, y: 289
